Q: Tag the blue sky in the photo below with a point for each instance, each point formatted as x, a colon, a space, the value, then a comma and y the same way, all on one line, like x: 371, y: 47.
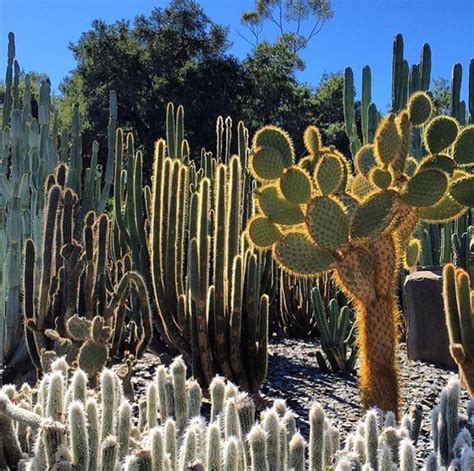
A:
x: 360, y: 33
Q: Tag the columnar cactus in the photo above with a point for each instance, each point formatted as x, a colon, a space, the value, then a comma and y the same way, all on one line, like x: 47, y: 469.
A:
x: 318, y: 216
x: 76, y: 275
x: 459, y: 309
x: 30, y: 149
x: 206, y: 285
x: 91, y: 437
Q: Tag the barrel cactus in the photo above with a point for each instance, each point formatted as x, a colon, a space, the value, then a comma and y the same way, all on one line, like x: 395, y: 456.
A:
x: 321, y: 215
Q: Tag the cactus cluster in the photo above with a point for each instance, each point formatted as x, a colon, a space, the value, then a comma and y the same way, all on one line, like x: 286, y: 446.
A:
x: 30, y: 150
x: 80, y: 302
x: 459, y: 309
x: 64, y: 424
x: 320, y: 215
x: 184, y: 236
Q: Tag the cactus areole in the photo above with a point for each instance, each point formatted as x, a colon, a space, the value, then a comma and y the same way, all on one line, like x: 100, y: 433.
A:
x: 320, y: 215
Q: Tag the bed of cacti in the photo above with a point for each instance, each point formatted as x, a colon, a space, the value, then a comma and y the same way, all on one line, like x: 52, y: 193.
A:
x: 62, y: 424
x: 206, y: 260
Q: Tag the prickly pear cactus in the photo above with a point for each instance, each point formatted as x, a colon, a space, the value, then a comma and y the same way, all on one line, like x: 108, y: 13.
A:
x: 320, y: 215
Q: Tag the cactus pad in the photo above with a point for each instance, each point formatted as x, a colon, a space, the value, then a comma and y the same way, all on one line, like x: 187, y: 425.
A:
x: 412, y: 254
x: 463, y: 149
x: 411, y: 165
x: 262, y: 232
x: 79, y: 328
x: 365, y: 159
x: 361, y: 186
x: 419, y: 108
x: 295, y: 185
x: 312, y: 140
x: 425, y: 188
x: 462, y: 190
x: 297, y: 254
x: 387, y: 141
x: 441, y: 162
x: 275, y: 138
x: 278, y: 209
x: 329, y: 174
x: 373, y: 215
x: 266, y: 163
x: 440, y: 133
x: 381, y: 178
x: 445, y: 210
x: 92, y: 357
x: 327, y: 223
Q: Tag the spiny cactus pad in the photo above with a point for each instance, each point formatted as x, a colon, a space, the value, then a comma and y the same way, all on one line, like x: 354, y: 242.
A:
x: 463, y: 149
x: 425, y: 188
x: 295, y: 185
x: 412, y: 253
x: 381, y: 178
x: 387, y: 140
x: 441, y: 162
x: 462, y: 191
x: 327, y: 223
x: 275, y: 138
x: 440, y: 133
x: 92, y: 357
x: 262, y: 232
x: 365, y: 159
x: 419, y: 108
x: 329, y: 174
x: 266, y: 163
x: 312, y: 140
x: 445, y: 210
x: 278, y: 209
x: 297, y: 254
x: 373, y: 215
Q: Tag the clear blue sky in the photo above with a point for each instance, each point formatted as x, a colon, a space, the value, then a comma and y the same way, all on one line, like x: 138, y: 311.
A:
x: 360, y: 33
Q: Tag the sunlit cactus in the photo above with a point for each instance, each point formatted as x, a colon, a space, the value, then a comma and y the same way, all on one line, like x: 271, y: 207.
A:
x: 358, y: 223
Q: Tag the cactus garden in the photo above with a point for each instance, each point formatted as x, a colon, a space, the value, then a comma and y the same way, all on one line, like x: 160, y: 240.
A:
x: 218, y: 280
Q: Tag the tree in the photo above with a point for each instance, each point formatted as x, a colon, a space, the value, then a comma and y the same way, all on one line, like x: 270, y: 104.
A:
x: 297, y: 21
x: 442, y: 96
x: 176, y: 54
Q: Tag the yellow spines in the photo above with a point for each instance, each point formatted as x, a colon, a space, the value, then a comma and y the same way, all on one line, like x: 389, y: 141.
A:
x: 387, y: 141
x: 403, y: 126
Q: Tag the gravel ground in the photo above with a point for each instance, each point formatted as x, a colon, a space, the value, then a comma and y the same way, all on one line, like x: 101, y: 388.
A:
x: 294, y: 375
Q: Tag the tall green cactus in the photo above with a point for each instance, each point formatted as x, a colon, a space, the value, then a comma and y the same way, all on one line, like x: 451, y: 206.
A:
x: 206, y: 284
x: 78, y: 276
x: 35, y: 149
